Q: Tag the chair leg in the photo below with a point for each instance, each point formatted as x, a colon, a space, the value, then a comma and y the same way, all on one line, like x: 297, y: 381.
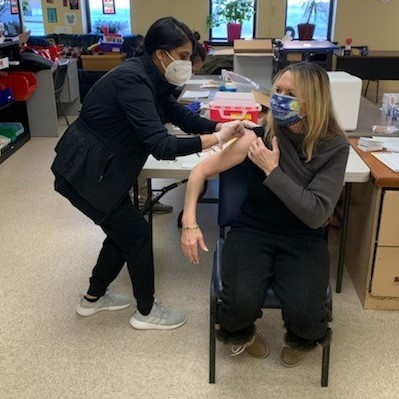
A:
x: 378, y: 88
x: 63, y: 113
x: 367, y: 88
x: 212, y: 343
x: 325, y: 365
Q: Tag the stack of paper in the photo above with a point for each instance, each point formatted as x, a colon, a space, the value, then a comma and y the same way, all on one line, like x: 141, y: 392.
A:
x: 390, y: 143
x: 390, y: 159
x: 370, y: 144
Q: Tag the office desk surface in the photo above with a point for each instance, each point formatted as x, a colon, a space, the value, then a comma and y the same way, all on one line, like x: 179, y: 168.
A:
x: 314, y: 46
x: 356, y: 170
x: 369, y: 115
x: 381, y: 175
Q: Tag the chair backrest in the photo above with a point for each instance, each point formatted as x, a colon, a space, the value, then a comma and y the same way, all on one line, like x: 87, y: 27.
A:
x: 233, y: 186
x: 59, y: 78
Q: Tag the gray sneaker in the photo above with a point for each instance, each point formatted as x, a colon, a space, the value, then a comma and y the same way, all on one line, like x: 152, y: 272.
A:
x: 160, y: 318
x: 106, y: 302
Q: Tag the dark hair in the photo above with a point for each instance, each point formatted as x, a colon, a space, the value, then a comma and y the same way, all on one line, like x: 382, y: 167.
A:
x: 198, y: 49
x: 167, y: 33
x: 198, y: 52
x: 196, y: 35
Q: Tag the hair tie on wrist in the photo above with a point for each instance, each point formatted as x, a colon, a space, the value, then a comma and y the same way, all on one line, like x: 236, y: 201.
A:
x: 192, y: 227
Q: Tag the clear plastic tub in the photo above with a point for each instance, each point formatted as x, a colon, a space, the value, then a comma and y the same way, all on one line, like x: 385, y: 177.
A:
x: 11, y: 129
x: 4, y: 141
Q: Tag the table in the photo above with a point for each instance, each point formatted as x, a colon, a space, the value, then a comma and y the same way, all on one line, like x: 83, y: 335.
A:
x: 356, y: 172
x: 377, y: 65
x: 373, y: 228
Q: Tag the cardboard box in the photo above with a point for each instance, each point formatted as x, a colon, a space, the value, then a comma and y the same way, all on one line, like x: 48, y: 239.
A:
x: 262, y: 98
x: 102, y: 62
x: 253, y: 46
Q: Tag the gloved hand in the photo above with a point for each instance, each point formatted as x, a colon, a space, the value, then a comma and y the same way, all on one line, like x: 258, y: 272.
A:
x: 258, y: 129
x: 249, y: 124
x: 230, y: 130
x: 195, y: 107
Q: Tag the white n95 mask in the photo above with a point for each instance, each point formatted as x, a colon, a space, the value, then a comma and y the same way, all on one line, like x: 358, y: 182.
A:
x: 178, y: 72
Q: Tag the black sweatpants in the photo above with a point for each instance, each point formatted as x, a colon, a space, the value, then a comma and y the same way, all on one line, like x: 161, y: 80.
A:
x: 297, y: 267
x: 128, y: 240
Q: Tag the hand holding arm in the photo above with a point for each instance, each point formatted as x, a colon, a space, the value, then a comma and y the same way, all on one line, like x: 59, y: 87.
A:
x: 265, y: 159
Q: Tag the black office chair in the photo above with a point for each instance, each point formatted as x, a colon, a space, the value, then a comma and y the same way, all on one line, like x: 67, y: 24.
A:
x: 59, y: 76
x: 232, y: 191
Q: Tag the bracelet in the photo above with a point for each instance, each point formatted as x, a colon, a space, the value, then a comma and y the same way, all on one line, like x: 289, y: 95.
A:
x: 192, y: 227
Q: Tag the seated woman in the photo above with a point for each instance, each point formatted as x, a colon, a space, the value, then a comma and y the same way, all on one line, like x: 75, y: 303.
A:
x: 296, y: 177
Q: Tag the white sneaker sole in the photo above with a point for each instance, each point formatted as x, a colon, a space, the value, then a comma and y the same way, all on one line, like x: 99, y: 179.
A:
x: 142, y: 325
x: 90, y: 311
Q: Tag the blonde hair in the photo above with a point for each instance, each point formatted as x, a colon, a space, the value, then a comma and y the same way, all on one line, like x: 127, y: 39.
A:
x: 312, y: 88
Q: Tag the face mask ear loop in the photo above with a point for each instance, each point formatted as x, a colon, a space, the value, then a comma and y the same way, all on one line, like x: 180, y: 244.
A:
x: 168, y: 54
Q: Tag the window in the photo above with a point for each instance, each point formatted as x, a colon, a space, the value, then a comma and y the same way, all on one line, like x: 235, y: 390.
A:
x: 99, y: 15
x: 9, y: 17
x: 323, y: 22
x: 219, y: 33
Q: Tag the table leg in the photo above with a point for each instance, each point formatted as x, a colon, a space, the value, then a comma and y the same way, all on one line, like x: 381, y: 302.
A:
x: 149, y: 197
x: 342, y: 243
x: 136, y: 195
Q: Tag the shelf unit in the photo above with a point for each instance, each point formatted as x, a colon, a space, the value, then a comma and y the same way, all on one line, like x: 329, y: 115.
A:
x: 15, y: 111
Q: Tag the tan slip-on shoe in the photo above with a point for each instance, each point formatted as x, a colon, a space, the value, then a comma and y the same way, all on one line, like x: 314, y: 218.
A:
x: 257, y: 347
x: 291, y: 357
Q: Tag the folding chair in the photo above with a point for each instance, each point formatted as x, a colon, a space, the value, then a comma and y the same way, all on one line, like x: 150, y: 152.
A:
x: 232, y: 190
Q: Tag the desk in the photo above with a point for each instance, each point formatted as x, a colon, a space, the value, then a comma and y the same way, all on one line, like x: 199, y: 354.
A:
x: 304, y: 50
x: 41, y: 107
x: 356, y: 172
x: 377, y: 65
x: 373, y: 230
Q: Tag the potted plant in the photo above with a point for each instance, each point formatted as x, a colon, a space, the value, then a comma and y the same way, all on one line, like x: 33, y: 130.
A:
x: 310, y: 12
x: 233, y: 13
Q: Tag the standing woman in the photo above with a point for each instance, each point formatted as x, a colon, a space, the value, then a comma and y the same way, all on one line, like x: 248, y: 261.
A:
x: 101, y: 154
x: 296, y: 175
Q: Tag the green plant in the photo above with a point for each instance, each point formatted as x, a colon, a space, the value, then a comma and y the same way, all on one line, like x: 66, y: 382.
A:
x: 311, y: 10
x: 230, y: 11
x: 113, y: 26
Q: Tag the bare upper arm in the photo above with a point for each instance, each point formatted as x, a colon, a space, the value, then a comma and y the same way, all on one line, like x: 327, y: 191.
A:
x: 232, y: 155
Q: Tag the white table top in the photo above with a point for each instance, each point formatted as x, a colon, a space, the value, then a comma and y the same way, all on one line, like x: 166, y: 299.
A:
x: 356, y: 170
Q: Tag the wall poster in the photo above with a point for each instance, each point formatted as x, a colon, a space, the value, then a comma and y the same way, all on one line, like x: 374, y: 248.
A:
x: 14, y: 7
x: 74, y: 4
x: 52, y: 15
x: 108, y: 6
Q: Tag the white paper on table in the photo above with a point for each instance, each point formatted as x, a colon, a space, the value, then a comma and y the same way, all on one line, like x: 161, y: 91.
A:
x: 195, y: 94
x: 196, y: 82
x: 390, y: 143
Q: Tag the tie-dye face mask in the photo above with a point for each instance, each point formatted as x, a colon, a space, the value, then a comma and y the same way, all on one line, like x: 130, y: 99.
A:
x: 285, y: 109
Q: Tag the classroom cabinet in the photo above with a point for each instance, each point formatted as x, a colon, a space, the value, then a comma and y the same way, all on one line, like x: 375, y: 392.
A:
x: 15, y: 111
x: 372, y: 256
